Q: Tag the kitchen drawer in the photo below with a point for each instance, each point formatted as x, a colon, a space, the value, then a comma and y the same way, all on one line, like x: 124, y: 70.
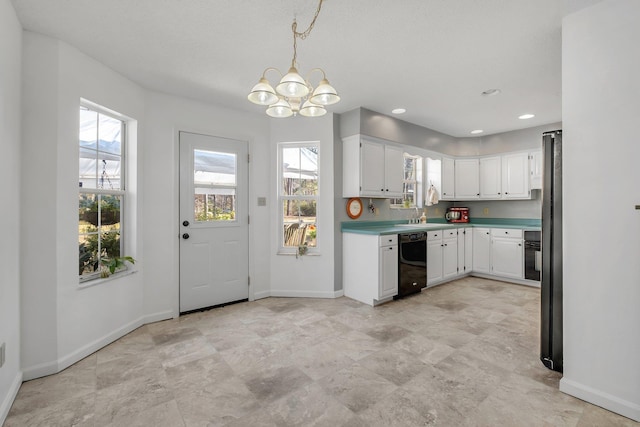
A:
x: 506, y: 232
x: 434, y: 235
x: 450, y: 234
x: 391, y: 239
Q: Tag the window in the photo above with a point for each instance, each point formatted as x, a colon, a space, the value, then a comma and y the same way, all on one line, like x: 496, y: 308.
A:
x: 298, y: 194
x: 214, y: 180
x: 411, y: 184
x: 101, y: 193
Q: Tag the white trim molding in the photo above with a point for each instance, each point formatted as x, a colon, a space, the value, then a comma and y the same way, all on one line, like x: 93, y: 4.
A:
x: 600, y: 398
x: 10, y: 397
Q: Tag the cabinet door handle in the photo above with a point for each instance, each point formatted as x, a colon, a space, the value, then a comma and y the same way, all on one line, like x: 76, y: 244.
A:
x: 519, y: 244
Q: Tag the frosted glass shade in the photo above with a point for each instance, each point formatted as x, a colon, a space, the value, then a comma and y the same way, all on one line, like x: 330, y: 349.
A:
x: 262, y: 93
x: 280, y: 109
x: 324, y: 94
x: 309, y: 109
x: 292, y: 85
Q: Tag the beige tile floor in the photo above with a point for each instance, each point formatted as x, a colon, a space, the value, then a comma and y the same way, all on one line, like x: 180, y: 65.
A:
x: 461, y: 354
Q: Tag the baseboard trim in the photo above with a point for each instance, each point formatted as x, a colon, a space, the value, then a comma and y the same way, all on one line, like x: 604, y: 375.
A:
x: 64, y: 362
x: 10, y: 397
x: 159, y: 317
x: 602, y: 399
x: 524, y: 282
x: 261, y: 295
x: 305, y: 294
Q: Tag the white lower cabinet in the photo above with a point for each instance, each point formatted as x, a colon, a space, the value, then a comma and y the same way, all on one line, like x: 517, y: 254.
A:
x: 442, y: 255
x: 388, y: 271
x: 434, y: 260
x: 507, y: 253
x: 482, y: 250
x: 449, y: 254
x: 370, y: 267
x: 498, y: 252
x: 465, y: 250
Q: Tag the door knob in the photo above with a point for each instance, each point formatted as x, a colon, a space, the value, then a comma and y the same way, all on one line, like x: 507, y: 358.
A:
x: 185, y: 236
x: 185, y: 223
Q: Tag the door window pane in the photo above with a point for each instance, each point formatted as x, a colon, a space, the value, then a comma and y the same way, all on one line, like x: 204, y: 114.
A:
x: 215, y: 179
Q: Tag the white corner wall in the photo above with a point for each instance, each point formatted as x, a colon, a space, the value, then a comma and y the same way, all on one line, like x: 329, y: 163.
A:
x: 10, y: 106
x: 62, y: 323
x: 309, y: 275
x: 166, y: 116
x: 601, y: 89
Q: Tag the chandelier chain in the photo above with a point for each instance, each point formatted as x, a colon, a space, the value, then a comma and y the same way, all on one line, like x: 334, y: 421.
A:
x: 303, y: 35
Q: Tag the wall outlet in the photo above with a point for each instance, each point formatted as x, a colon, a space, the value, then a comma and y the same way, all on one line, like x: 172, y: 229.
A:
x: 437, y: 211
x: 2, y: 349
x: 486, y: 211
x: 262, y: 201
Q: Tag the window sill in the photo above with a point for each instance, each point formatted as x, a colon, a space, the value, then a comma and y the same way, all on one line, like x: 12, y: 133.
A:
x: 99, y: 280
x: 299, y: 256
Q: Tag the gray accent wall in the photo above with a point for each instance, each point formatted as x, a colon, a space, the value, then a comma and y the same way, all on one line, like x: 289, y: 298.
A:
x: 368, y: 122
x: 517, y: 140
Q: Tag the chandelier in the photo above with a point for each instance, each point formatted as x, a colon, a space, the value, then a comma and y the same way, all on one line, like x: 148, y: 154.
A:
x: 294, y: 94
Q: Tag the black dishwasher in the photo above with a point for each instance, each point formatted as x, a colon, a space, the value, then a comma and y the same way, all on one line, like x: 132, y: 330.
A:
x: 412, y: 263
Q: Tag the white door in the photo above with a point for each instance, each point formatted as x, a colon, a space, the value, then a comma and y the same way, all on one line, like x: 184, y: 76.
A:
x: 214, y: 232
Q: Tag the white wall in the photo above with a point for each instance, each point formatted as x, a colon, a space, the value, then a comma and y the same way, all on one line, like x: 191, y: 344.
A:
x: 309, y: 275
x: 166, y: 116
x: 10, y: 106
x: 61, y: 323
x: 600, y: 68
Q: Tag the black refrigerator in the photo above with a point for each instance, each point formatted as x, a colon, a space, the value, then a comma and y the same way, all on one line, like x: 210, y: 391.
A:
x: 551, y: 285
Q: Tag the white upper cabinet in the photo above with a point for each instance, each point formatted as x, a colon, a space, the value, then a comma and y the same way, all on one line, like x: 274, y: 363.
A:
x: 491, y: 177
x: 393, y: 171
x: 467, y: 179
x: 515, y: 176
x: 535, y: 163
x: 448, y: 179
x: 374, y: 168
x: 371, y: 168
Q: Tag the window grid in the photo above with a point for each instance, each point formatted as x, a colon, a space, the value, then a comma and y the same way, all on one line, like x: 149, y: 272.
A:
x: 298, y: 195
x: 101, y: 190
x: 411, y: 184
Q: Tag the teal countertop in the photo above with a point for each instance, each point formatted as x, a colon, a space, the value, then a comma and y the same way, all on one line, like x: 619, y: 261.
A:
x: 400, y: 226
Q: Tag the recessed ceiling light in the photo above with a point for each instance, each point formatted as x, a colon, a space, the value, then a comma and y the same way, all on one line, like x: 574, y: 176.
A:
x: 477, y: 131
x: 491, y: 92
x: 399, y: 111
x: 526, y: 116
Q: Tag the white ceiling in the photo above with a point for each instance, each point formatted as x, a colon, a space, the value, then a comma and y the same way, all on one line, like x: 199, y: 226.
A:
x: 432, y: 57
